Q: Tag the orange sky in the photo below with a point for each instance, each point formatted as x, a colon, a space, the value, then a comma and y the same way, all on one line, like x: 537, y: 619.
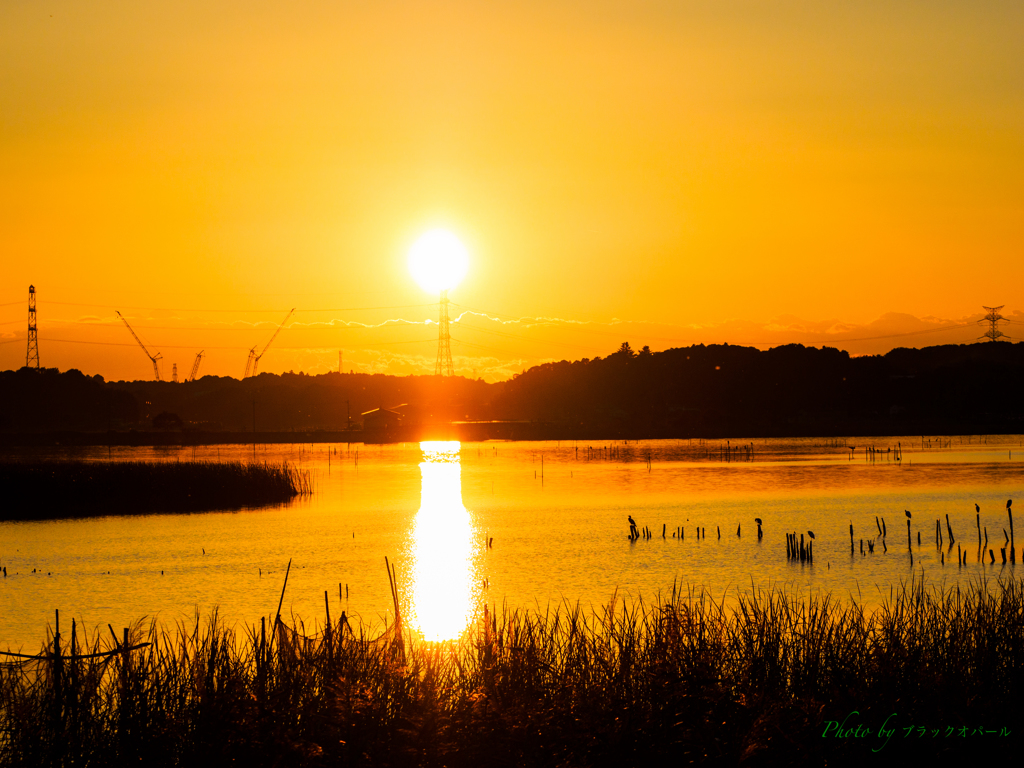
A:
x: 662, y: 172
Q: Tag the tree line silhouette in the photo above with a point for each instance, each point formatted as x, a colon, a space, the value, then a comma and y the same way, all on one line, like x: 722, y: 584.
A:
x: 697, y: 391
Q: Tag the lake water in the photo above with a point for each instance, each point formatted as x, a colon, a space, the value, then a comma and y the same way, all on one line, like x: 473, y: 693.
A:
x: 556, y: 514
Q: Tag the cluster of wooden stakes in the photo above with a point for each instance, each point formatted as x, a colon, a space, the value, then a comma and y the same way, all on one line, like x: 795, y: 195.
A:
x: 680, y: 532
x: 803, y: 551
x: 961, y: 553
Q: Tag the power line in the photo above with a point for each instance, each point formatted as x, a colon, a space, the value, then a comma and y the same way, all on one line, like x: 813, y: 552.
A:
x: 523, y: 338
x: 584, y: 326
x: 316, y: 326
x: 193, y: 346
x: 237, y: 311
x: 897, y: 335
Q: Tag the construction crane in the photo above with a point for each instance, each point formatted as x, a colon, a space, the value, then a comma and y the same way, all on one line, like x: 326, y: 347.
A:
x: 253, y: 363
x: 156, y: 367
x: 195, y: 366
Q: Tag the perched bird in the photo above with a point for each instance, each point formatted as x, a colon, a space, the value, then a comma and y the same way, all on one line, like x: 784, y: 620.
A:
x: 632, y: 522
x: 1009, y: 503
x: 757, y: 520
x: 907, y: 513
x: 811, y: 534
x: 977, y: 509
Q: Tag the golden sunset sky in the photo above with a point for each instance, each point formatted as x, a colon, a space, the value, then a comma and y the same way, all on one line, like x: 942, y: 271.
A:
x: 664, y: 173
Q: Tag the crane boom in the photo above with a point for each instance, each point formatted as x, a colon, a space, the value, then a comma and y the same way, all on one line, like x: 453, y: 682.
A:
x: 156, y: 367
x: 249, y: 363
x: 254, y: 358
x: 195, y: 366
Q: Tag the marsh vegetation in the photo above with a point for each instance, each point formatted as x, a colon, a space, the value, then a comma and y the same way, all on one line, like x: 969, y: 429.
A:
x: 48, y: 490
x: 687, y: 680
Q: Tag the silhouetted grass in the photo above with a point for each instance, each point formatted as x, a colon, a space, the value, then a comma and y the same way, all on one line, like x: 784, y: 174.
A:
x: 685, y: 681
x: 46, y: 490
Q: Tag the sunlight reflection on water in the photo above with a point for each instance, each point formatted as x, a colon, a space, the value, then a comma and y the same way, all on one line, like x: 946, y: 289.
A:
x: 557, y: 513
x: 442, y: 573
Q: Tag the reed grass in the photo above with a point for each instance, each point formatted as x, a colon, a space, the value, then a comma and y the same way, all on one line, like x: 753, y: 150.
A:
x: 47, y: 490
x: 686, y: 680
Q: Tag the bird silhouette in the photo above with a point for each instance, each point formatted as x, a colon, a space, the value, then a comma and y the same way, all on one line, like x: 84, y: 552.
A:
x: 1009, y: 503
x: 977, y: 509
x: 811, y: 534
x: 757, y: 520
x: 907, y: 513
x: 632, y: 521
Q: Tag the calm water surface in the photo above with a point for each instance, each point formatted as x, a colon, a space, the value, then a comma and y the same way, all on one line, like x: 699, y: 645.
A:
x: 556, y: 514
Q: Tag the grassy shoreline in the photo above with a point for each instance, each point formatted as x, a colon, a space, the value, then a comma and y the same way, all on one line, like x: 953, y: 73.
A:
x: 50, y: 490
x: 684, y: 681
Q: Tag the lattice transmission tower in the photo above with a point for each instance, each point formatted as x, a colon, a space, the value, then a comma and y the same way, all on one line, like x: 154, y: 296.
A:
x: 32, y: 355
x: 993, y: 317
x: 444, y: 365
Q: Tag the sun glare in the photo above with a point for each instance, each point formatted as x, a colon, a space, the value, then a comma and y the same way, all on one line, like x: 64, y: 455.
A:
x: 443, y: 574
x: 438, y: 261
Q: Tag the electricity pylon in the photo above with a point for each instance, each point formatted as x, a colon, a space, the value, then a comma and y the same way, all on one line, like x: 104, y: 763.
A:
x: 444, y: 341
x: 32, y: 355
x: 993, y: 317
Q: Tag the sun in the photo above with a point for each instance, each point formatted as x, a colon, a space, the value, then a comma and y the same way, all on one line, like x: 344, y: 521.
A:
x: 438, y: 261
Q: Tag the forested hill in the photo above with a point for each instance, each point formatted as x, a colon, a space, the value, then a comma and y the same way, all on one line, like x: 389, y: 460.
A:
x: 698, y: 391
x: 723, y: 390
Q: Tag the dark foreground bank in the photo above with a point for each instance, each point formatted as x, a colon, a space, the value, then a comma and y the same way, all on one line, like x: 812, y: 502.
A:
x: 781, y: 680
x: 46, y: 490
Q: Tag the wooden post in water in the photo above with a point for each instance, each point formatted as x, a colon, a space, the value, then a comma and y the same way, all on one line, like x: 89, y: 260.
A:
x: 909, y: 549
x: 1009, y: 512
x: 327, y: 629
x: 125, y: 668
x: 57, y: 682
x: 851, y: 538
x: 663, y: 530
x: 949, y: 528
x: 737, y: 530
x: 263, y: 639
x: 719, y: 531
x: 280, y: 602
x: 73, y: 667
